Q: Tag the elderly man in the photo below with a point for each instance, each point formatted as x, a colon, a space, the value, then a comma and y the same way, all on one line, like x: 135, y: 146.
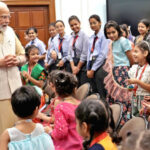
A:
x: 11, y: 56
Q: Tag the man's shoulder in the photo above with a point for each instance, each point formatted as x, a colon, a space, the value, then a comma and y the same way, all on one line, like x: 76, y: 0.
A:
x: 9, y: 30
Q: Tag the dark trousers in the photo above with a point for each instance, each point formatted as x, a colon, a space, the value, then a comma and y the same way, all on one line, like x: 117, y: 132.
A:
x: 97, y: 83
x: 81, y: 76
x: 54, y: 66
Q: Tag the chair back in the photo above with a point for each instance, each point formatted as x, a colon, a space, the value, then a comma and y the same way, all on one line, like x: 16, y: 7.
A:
x: 82, y: 91
x: 94, y: 96
x: 133, y: 125
x: 117, y: 110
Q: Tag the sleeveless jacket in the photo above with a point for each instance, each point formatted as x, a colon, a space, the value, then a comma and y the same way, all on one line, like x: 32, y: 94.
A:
x: 9, y: 76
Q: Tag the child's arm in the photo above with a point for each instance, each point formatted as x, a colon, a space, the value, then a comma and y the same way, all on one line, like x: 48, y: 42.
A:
x: 38, y: 83
x: 4, y: 140
x: 43, y: 116
x: 130, y: 57
x: 143, y: 85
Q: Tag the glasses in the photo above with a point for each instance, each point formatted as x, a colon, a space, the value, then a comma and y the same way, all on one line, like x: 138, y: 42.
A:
x: 5, y: 17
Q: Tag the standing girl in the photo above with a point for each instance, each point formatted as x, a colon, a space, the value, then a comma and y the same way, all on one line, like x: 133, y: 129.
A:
x: 121, y: 57
x: 52, y: 32
x: 143, y: 29
x: 139, y: 75
x: 32, y: 72
x: 78, y: 49
x: 60, y: 46
x: 93, y: 119
x: 97, y: 52
x: 25, y: 135
x: 33, y: 33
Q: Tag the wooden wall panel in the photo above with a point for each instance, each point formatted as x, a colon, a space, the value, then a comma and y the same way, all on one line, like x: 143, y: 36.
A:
x: 29, y: 16
x: 13, y: 20
x: 38, y: 18
x: 23, y: 19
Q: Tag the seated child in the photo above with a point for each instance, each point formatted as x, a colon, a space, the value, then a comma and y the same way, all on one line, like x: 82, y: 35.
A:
x: 64, y: 133
x: 93, y: 119
x: 32, y: 72
x: 25, y: 135
x: 58, y: 98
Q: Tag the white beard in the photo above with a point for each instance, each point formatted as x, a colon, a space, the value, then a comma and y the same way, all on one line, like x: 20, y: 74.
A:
x: 3, y: 29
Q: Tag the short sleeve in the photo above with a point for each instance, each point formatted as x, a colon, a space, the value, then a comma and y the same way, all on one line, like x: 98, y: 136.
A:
x: 42, y: 76
x: 126, y: 45
x: 132, y: 71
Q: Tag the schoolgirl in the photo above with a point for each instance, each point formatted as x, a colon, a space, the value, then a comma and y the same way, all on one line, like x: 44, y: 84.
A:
x: 78, y: 49
x: 97, y: 53
x: 33, y: 36
x: 53, y: 33
x: 59, y: 49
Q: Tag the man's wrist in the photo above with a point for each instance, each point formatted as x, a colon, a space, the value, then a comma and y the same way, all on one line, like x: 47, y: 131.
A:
x: 19, y: 61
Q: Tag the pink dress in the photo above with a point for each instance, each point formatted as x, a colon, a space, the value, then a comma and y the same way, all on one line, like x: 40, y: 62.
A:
x: 65, y: 136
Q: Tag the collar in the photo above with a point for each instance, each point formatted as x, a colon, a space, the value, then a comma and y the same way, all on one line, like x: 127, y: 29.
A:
x: 64, y: 37
x: 98, y: 138
x: 79, y: 33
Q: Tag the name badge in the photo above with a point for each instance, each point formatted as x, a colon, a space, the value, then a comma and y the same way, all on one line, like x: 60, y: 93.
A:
x: 91, y: 57
x: 59, y: 55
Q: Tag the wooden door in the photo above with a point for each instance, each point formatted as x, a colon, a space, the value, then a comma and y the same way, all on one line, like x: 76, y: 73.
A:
x: 23, y: 17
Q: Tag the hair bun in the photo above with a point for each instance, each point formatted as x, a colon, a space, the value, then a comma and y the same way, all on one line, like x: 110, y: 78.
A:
x: 62, y: 79
x: 93, y: 117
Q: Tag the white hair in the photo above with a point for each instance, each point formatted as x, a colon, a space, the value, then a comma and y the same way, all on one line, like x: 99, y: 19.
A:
x: 3, y: 5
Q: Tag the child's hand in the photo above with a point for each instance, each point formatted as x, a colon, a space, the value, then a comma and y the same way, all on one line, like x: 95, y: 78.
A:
x: 75, y: 70
x: 48, y: 129
x: 46, y: 65
x: 132, y: 81
x: 25, y: 75
x: 60, y: 64
x: 147, y: 98
x: 54, y: 55
x: 90, y: 73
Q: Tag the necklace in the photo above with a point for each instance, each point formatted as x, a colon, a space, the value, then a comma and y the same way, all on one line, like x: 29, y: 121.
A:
x: 23, y: 121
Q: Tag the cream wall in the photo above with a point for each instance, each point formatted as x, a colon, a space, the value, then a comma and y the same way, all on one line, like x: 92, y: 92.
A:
x: 81, y: 8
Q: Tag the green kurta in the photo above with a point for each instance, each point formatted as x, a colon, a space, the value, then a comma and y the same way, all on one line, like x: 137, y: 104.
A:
x: 36, y: 72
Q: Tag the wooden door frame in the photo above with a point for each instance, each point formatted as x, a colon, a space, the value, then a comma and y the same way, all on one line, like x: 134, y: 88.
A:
x: 49, y: 3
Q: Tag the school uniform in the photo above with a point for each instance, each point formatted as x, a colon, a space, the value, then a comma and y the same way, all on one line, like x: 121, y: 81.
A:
x: 48, y: 54
x: 60, y: 46
x: 97, y: 53
x: 78, y: 49
x: 42, y: 48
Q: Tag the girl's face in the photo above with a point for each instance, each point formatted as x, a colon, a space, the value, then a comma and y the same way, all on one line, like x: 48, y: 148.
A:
x: 52, y: 31
x: 142, y: 28
x: 34, y: 56
x: 32, y: 35
x: 95, y: 25
x: 60, y: 28
x: 112, y: 33
x: 82, y: 129
x: 139, y: 55
x: 75, y: 25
